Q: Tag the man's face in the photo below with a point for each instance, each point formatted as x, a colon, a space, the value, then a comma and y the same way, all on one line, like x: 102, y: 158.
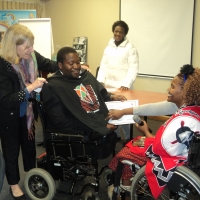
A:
x: 71, y: 65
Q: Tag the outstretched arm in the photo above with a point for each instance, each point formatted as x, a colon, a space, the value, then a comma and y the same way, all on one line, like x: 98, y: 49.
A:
x: 152, y: 109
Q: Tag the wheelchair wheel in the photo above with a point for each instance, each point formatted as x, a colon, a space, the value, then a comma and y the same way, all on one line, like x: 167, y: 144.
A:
x: 39, y: 184
x: 107, y: 175
x: 190, y: 190
x: 89, y: 195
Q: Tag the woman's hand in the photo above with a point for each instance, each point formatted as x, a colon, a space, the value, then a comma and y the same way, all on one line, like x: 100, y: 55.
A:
x: 118, y: 97
x: 38, y: 83
x: 112, y: 127
x: 144, y: 129
x: 115, y: 114
x: 86, y: 67
x: 139, y: 142
x: 123, y: 88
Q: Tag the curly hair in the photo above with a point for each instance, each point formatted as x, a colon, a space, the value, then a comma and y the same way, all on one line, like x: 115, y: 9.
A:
x: 123, y: 24
x: 191, y: 86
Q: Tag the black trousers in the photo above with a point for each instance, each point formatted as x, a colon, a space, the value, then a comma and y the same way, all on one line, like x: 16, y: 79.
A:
x: 11, y: 142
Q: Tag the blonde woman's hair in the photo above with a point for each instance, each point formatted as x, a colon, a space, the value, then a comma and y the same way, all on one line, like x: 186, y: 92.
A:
x: 15, y: 35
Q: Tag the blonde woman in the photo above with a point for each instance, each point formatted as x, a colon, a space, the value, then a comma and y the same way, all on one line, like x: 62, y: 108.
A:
x: 19, y: 65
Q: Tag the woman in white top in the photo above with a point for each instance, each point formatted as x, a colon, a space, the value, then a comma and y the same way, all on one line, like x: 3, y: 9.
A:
x: 119, y: 65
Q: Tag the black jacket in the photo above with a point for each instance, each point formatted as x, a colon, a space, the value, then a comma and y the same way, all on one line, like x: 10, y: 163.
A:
x: 68, y: 110
x: 10, y: 94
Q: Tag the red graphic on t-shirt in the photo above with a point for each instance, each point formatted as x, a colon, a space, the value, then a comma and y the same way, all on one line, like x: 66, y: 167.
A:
x: 88, y: 98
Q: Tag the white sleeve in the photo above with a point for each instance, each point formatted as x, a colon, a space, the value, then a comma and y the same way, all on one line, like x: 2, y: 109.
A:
x: 133, y: 66
x: 102, y: 69
x: 156, y: 109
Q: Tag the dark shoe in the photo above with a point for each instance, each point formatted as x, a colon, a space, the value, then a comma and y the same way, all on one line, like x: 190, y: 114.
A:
x: 22, y: 197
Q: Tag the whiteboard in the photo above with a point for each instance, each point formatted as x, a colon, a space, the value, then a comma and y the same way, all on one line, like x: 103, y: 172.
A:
x: 161, y: 31
x: 42, y: 31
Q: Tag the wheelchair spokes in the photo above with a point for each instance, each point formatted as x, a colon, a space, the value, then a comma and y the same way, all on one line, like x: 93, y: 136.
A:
x: 142, y: 190
x: 38, y: 186
x: 190, y: 190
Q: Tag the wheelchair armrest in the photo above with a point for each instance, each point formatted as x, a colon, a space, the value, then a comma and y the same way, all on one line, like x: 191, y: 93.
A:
x: 128, y: 162
x: 64, y: 132
x: 75, y: 138
x: 67, y: 137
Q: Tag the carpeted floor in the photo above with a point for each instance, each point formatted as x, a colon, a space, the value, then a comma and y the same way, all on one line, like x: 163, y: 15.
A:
x: 5, y: 195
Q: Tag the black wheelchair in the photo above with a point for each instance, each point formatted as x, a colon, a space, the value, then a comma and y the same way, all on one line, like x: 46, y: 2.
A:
x: 184, y: 184
x: 68, y: 157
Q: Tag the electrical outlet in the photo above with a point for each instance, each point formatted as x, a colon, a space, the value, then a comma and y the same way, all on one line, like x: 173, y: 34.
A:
x: 57, y: 46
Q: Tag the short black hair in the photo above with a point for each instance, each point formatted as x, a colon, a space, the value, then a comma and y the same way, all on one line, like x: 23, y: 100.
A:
x: 64, y: 51
x: 123, y: 24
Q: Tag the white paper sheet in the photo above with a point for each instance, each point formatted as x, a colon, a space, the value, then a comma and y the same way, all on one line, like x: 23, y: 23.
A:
x: 111, y: 89
x: 38, y: 90
x: 118, y: 105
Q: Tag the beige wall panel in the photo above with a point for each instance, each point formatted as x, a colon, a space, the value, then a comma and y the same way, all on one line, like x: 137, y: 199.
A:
x: 151, y: 84
x: 90, y: 18
x: 196, y: 46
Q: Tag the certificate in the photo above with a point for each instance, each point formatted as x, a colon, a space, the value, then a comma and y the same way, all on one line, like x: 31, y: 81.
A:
x: 119, y: 105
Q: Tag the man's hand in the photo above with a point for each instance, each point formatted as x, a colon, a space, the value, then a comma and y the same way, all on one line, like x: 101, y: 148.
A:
x: 123, y: 88
x: 118, y: 97
x: 115, y: 114
x: 112, y: 127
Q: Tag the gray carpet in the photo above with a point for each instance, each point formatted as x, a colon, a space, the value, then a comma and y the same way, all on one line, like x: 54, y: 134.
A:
x: 5, y: 195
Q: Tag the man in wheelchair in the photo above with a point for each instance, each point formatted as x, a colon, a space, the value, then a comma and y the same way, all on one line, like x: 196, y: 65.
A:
x: 75, y: 101
x: 79, y: 134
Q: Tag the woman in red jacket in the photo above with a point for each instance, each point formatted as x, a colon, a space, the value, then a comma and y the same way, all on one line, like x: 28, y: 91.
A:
x: 171, y: 143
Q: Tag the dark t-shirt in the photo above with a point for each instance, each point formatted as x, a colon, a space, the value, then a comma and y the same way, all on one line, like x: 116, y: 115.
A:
x: 76, y: 103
